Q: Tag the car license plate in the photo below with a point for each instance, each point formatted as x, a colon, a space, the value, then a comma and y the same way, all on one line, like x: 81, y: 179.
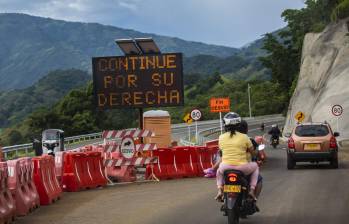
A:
x: 312, y: 147
x: 232, y: 188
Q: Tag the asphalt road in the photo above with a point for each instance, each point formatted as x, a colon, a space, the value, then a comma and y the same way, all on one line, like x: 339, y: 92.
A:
x: 309, y: 194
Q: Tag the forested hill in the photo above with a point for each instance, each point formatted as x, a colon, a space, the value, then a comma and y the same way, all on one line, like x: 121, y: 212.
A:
x: 17, y: 104
x: 32, y: 46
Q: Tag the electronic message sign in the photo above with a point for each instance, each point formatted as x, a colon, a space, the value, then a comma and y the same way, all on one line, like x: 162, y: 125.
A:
x: 138, y: 81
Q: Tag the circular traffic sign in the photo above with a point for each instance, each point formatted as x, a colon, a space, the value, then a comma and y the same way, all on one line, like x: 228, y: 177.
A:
x: 337, y: 110
x: 195, y: 114
x: 127, y: 148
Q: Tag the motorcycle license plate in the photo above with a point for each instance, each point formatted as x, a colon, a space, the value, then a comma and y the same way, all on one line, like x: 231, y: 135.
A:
x: 312, y: 147
x: 232, y: 188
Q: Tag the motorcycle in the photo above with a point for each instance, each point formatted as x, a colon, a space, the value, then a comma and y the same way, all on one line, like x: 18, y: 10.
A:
x: 274, y: 142
x: 237, y: 203
x: 262, y: 127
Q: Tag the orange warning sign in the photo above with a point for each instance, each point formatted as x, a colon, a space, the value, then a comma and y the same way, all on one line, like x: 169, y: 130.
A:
x: 220, y: 105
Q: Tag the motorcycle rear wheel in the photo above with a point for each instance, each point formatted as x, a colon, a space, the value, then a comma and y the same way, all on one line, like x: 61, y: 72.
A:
x: 233, y: 216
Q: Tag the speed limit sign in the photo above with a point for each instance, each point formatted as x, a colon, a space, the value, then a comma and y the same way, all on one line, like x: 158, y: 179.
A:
x: 337, y: 110
x: 195, y: 114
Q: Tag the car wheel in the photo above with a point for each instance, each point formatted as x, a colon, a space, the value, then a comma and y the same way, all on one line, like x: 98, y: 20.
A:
x: 290, y: 162
x: 334, y: 162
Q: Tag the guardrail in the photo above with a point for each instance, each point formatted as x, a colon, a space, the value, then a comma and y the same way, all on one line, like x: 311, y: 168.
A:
x: 205, y: 135
x: 28, y: 147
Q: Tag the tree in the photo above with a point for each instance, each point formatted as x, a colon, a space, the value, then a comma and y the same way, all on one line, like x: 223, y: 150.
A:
x: 15, y: 137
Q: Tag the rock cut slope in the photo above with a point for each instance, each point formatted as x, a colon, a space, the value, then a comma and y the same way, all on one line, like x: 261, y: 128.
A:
x: 324, y: 78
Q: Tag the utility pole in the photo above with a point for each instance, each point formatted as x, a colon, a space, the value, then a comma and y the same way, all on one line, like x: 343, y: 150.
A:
x: 249, y: 98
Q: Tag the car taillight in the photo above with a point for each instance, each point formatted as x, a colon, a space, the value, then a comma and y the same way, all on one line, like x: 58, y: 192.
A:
x: 291, y: 143
x: 333, y: 143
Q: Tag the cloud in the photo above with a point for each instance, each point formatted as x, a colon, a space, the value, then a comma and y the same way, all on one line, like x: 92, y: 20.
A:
x: 225, y: 22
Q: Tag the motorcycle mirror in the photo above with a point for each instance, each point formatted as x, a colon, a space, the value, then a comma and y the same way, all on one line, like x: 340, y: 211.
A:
x: 261, y: 147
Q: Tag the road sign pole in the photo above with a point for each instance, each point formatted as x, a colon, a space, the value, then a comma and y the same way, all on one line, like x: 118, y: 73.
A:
x: 220, y: 121
x: 141, y: 121
x: 249, y: 99
x: 338, y: 124
x: 196, y: 131
x: 189, y: 133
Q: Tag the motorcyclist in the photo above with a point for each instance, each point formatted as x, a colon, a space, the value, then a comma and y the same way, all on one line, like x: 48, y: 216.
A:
x: 274, y: 132
x: 235, y: 146
x: 262, y: 126
x: 243, y: 128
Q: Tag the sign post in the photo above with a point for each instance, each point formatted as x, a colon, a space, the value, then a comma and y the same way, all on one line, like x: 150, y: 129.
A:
x: 220, y: 105
x: 337, y: 110
x: 196, y: 115
x: 187, y: 119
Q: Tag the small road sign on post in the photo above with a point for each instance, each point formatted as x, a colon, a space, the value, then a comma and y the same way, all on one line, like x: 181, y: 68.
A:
x: 337, y: 110
x: 187, y: 119
x: 220, y: 105
x: 300, y: 116
x: 196, y: 115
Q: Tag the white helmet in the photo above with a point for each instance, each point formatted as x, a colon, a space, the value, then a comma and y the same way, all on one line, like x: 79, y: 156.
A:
x: 231, y: 118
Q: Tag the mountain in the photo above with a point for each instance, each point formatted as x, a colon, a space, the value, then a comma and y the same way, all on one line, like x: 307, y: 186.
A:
x: 32, y: 46
x: 17, y: 104
x: 236, y: 66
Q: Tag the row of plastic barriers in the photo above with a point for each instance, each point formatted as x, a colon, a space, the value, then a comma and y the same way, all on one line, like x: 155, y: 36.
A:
x: 180, y: 162
x: 27, y: 183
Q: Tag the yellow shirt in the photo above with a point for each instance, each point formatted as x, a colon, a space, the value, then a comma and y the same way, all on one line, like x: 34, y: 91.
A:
x: 234, y: 148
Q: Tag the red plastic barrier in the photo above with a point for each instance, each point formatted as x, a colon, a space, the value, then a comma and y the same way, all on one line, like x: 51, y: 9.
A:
x: 45, y: 179
x: 120, y: 173
x: 59, y: 161
x: 205, y: 157
x: 7, y: 203
x: 16, y: 183
x: 165, y: 168
x: 70, y: 179
x: 212, y: 144
x: 27, y: 165
x: 186, y: 161
x: 82, y: 171
x: 96, y: 169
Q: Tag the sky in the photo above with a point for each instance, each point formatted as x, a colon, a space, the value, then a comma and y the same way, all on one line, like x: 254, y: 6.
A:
x: 231, y: 23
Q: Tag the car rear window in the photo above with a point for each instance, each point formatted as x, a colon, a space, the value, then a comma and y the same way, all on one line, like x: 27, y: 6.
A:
x: 312, y: 131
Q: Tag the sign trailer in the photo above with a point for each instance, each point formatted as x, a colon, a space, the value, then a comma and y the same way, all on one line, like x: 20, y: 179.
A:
x: 144, y: 77
x: 138, y: 81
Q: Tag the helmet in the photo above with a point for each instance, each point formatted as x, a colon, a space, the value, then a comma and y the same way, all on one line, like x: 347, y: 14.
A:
x: 274, y: 126
x: 231, y: 118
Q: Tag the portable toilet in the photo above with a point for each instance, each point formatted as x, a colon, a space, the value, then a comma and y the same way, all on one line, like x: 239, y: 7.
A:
x: 158, y: 121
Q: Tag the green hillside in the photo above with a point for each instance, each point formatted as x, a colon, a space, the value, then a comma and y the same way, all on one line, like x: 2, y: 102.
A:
x: 17, y: 104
